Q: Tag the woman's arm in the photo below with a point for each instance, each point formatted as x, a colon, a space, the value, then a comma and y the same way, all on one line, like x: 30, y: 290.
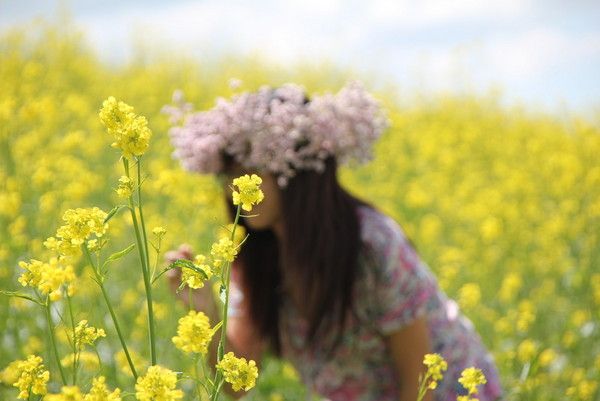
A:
x: 407, y: 347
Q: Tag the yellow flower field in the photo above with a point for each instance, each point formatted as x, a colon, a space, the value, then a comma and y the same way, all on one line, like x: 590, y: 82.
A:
x: 503, y: 204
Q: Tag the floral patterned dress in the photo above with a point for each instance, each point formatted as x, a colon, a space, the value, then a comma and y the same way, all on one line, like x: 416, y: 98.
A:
x: 394, y: 287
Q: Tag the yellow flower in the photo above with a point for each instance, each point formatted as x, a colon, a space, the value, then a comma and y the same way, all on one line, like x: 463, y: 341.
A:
x: 99, y: 391
x: 30, y: 376
x: 436, y: 364
x: 240, y: 233
x: 48, y: 277
x: 159, y: 231
x: 249, y: 193
x: 67, y: 393
x: 469, y: 295
x: 527, y: 350
x: 125, y: 188
x: 193, y: 333
x: 89, y: 360
x: 224, y: 250
x: 193, y: 278
x: 547, y: 357
x: 158, y: 384
x: 85, y: 334
x: 238, y: 372
x: 470, y: 378
x: 80, y: 224
x: 10, y: 374
x: 130, y: 131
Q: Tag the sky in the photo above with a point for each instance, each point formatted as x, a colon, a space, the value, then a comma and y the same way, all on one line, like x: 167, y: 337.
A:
x: 544, y: 53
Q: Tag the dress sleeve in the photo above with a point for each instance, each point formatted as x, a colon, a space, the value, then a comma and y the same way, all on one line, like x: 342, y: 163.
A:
x: 403, y: 281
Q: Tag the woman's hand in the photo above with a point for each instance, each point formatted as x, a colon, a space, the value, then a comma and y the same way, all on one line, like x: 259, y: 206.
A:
x: 202, y: 298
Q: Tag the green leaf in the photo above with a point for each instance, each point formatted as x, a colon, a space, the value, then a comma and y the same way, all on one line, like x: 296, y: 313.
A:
x: 20, y: 295
x: 113, y: 212
x: 182, y: 263
x: 119, y: 255
x: 188, y: 264
x: 216, y: 328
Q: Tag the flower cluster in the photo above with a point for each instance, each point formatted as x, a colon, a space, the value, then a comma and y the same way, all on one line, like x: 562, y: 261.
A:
x: 225, y: 232
x: 159, y: 231
x: 130, y: 131
x: 278, y: 130
x: 157, y: 384
x: 470, y: 378
x: 67, y: 393
x: 89, y: 360
x: 435, y: 366
x: 48, y: 277
x: 225, y: 249
x: 193, y: 278
x: 85, y: 334
x: 125, y: 188
x: 238, y: 372
x: 80, y: 224
x: 99, y: 391
x: 193, y: 333
x: 29, y: 376
x: 249, y: 193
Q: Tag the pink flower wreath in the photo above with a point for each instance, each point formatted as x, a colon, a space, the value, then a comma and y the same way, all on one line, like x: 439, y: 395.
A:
x: 277, y: 130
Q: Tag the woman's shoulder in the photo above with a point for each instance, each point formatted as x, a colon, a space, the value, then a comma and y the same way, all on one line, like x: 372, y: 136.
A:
x: 378, y: 230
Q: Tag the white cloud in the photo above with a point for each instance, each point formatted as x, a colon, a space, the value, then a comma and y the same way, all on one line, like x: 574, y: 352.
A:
x: 535, y: 52
x: 424, y: 13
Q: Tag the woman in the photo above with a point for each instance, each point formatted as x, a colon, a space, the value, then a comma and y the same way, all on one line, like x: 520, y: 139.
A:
x: 326, y: 280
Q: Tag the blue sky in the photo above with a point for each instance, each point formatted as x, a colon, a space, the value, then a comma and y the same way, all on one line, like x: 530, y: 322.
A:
x: 543, y: 53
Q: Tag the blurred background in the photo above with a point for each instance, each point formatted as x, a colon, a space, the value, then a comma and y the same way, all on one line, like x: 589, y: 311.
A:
x: 545, y: 53
x: 491, y: 164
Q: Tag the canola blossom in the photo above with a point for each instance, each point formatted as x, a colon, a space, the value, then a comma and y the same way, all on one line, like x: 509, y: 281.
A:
x: 224, y: 249
x: 87, y: 360
x: 125, y: 188
x: 159, y: 231
x: 195, y: 279
x: 193, y: 333
x: 130, y: 131
x: 248, y: 191
x: 29, y: 376
x: 470, y: 378
x: 158, y: 384
x: 436, y: 365
x: 67, y: 393
x: 502, y: 201
x: 100, y: 391
x: 48, y: 277
x: 80, y: 224
x: 239, y: 372
x: 85, y: 334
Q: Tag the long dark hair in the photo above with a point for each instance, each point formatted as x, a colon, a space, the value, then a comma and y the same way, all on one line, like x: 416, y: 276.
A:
x: 317, y: 259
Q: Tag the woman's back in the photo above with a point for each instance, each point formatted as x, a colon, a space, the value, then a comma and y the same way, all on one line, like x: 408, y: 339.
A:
x: 394, y: 287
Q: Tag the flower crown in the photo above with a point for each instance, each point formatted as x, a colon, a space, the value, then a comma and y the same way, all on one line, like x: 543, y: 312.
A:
x: 277, y: 129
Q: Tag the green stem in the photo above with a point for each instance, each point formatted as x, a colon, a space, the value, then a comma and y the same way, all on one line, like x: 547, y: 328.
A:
x: 53, y: 340
x: 74, y: 340
x: 155, y: 262
x: 145, y: 269
x: 197, y: 376
x: 99, y: 280
x: 223, y: 340
x: 139, y: 194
